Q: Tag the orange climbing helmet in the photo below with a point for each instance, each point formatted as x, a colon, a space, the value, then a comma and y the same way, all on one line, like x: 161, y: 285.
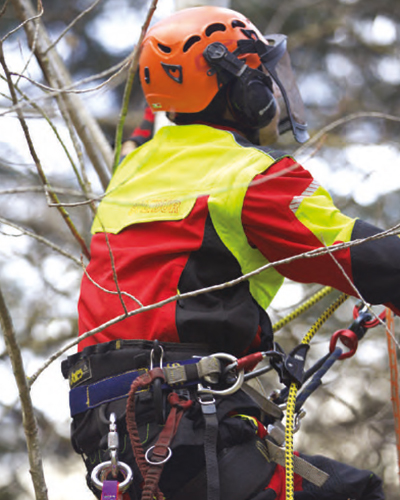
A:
x: 172, y: 53
x: 187, y: 57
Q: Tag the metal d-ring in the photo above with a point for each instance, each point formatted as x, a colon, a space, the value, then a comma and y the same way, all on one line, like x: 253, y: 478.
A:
x: 225, y: 392
x: 105, y: 468
x: 149, y: 461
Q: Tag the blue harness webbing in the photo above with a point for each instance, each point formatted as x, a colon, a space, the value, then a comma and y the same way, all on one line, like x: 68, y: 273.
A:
x: 85, y: 397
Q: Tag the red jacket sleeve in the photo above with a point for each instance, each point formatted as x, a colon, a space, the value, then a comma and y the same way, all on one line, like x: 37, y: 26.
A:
x: 286, y: 213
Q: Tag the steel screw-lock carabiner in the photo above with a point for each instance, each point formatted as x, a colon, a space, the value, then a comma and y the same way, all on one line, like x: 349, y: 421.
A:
x: 113, y: 443
x: 158, y: 352
x: 113, y: 466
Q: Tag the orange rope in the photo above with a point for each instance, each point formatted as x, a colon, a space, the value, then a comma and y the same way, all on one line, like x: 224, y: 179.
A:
x: 394, y: 379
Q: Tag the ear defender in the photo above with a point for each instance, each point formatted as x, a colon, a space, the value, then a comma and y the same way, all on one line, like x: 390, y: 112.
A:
x: 251, y: 99
x: 249, y: 90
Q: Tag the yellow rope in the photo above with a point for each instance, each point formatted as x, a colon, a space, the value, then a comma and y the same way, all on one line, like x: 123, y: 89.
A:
x: 302, y: 308
x: 291, y: 402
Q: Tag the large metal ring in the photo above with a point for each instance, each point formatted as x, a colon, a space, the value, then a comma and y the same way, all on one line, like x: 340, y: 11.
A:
x: 225, y: 392
x: 149, y: 461
x: 106, y: 468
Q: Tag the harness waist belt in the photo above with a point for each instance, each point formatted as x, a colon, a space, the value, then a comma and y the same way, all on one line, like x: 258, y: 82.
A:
x: 181, y: 374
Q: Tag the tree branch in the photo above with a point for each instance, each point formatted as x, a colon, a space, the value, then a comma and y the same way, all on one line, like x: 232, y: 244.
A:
x: 96, y: 145
x: 28, y: 415
x: 36, y: 159
x: 307, y: 255
x: 128, y: 87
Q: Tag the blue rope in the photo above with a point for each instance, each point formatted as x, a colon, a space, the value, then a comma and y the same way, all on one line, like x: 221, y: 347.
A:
x: 316, y: 381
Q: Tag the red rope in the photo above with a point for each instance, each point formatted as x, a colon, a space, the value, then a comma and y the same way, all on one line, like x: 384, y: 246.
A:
x: 143, y: 381
x: 161, y: 451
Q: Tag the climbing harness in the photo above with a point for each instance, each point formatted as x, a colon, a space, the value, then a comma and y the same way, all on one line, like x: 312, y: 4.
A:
x: 112, y: 489
x: 205, y: 380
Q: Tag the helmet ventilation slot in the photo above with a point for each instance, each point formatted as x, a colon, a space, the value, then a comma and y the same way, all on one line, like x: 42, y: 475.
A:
x: 238, y: 24
x: 212, y: 28
x: 189, y: 43
x: 164, y: 48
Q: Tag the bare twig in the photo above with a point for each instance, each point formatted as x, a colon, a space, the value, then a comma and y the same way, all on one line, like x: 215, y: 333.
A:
x: 358, y: 294
x: 45, y: 241
x: 58, y: 190
x: 128, y: 87
x: 25, y: 21
x: 36, y: 159
x: 28, y: 414
x: 96, y: 145
x: 72, y: 24
x: 114, y: 271
x: 117, y: 319
x: 55, y: 131
x: 72, y: 89
x: 110, y: 292
x: 115, y: 71
x: 341, y: 121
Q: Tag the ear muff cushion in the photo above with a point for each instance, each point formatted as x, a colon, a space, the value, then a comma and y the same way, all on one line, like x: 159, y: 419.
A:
x: 252, y: 101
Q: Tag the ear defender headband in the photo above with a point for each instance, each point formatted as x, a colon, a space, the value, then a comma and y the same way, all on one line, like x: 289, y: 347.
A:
x: 249, y: 90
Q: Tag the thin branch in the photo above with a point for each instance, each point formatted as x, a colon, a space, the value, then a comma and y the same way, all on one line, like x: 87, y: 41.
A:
x: 28, y: 415
x: 358, y: 294
x: 36, y: 159
x: 129, y: 83
x: 72, y: 88
x: 314, y: 253
x: 114, y: 271
x: 56, y: 73
x: 55, y: 131
x: 72, y: 24
x: 4, y: 8
x: 45, y: 241
x: 341, y: 121
x: 31, y: 18
x: 58, y: 190
x: 110, y: 292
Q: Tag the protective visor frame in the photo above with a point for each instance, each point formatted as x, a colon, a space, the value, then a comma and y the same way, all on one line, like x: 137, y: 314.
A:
x: 276, y: 61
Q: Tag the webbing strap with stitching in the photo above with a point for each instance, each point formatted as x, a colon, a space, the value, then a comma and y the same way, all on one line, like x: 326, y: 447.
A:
x: 301, y: 466
x: 210, y: 447
x: 184, y: 373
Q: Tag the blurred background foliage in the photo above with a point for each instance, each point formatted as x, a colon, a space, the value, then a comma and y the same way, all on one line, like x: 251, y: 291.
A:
x: 347, y: 59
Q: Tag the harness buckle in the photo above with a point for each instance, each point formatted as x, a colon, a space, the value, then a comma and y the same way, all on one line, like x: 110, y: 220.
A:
x: 236, y: 383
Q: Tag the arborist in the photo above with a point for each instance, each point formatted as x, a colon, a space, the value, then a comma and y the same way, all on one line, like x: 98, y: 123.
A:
x: 199, y: 205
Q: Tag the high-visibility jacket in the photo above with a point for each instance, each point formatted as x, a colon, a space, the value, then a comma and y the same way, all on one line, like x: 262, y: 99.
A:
x: 199, y: 206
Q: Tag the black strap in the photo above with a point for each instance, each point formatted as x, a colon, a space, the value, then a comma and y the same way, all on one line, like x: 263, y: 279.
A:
x: 267, y: 334
x: 209, y: 410
x: 244, y: 470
